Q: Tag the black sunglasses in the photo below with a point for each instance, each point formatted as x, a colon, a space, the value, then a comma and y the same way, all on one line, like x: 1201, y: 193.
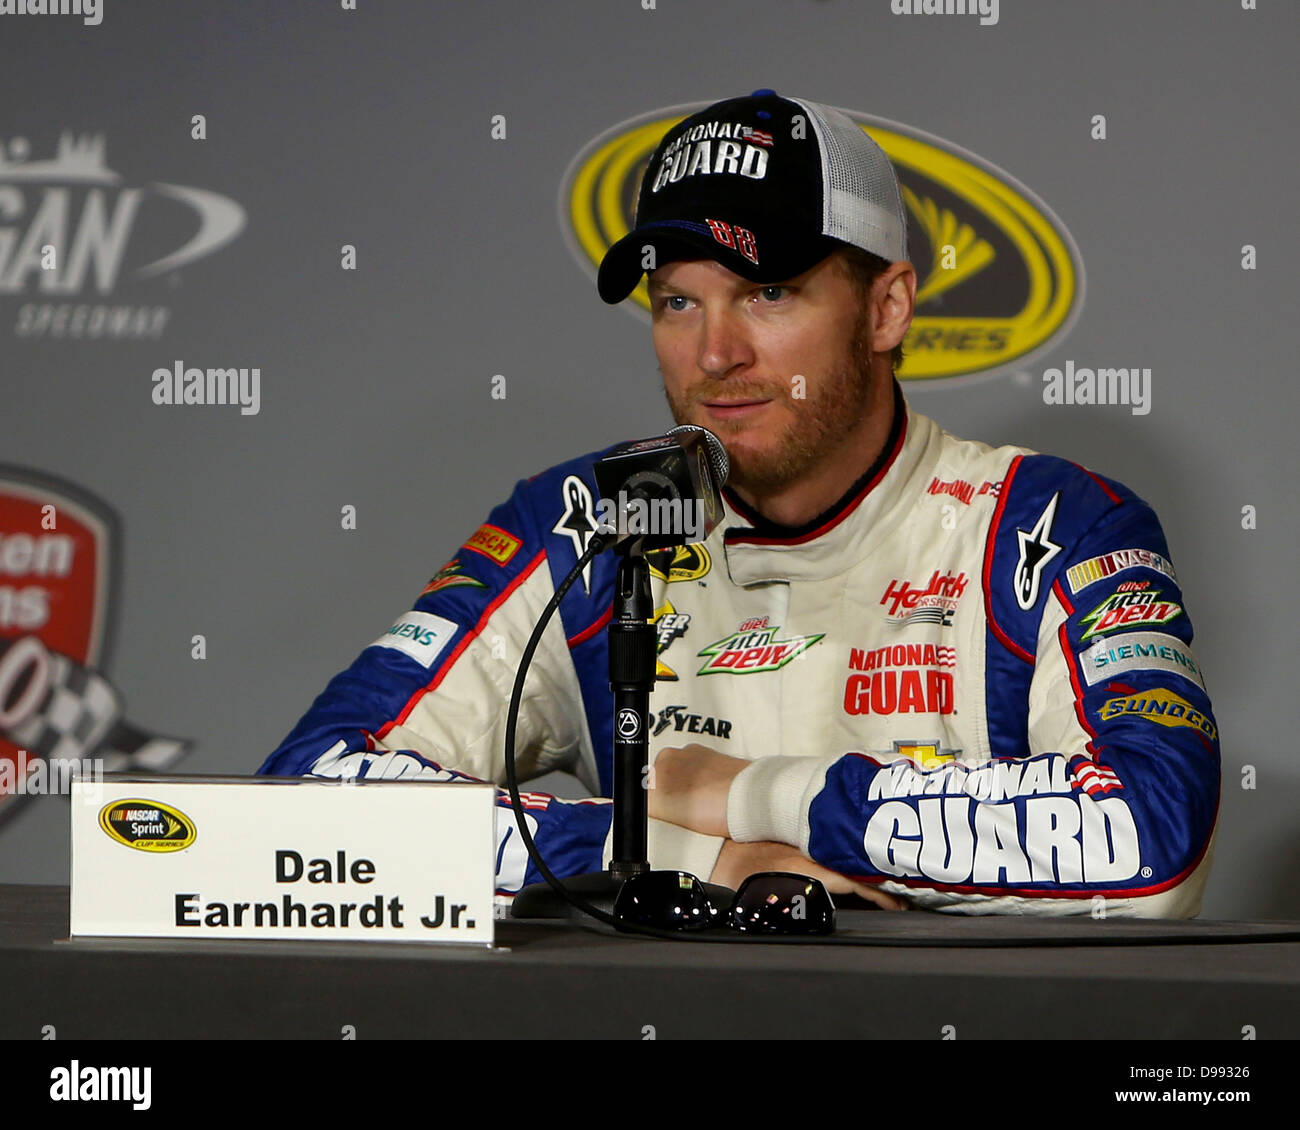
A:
x: 768, y: 902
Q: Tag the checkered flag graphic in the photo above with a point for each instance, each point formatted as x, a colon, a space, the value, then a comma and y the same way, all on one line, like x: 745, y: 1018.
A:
x: 77, y: 715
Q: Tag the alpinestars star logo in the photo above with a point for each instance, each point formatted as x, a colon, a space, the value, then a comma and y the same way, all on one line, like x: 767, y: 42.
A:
x: 1036, y: 550
x: 578, y: 522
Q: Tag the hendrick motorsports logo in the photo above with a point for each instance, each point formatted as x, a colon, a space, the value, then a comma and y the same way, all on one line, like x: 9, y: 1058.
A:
x: 147, y: 825
x: 1000, y: 278
x: 58, y: 712
x: 71, y: 231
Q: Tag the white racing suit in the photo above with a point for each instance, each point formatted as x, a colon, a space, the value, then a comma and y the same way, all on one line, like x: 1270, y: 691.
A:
x: 970, y: 682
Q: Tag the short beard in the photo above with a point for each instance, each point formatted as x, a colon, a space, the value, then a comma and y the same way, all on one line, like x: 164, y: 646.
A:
x: 826, y: 418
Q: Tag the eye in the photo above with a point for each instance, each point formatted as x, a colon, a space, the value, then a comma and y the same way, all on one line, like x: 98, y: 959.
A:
x: 774, y: 293
x: 677, y: 303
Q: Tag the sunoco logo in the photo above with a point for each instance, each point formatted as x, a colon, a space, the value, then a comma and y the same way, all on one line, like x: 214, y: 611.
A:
x: 1000, y: 278
x: 71, y: 229
x: 147, y: 825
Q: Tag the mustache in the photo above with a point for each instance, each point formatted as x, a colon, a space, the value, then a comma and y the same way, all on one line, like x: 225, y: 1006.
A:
x: 739, y: 390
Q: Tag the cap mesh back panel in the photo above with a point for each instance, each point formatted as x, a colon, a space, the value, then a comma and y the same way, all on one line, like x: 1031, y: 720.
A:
x: 862, y: 203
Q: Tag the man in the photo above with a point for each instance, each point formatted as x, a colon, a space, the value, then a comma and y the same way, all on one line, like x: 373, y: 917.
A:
x: 931, y: 672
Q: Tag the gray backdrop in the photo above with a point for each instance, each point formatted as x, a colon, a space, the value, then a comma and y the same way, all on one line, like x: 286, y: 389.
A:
x: 372, y: 127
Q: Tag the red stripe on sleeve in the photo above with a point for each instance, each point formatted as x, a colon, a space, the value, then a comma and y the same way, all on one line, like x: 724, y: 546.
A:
x: 986, y: 579
x: 441, y: 673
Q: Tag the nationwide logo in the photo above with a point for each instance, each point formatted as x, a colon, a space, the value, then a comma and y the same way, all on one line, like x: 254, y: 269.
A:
x: 72, y: 230
x: 1001, y: 279
x: 1080, y: 576
x: 670, y: 625
x: 681, y: 563
x: 902, y: 679
x: 680, y: 721
x: 1160, y: 706
x: 58, y: 561
x: 1129, y: 610
x: 147, y: 825
x: 933, y: 604
x: 450, y: 576
x: 752, y: 648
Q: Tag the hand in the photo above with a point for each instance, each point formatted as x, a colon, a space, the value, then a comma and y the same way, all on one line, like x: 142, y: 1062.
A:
x: 689, y: 786
x: 736, y: 862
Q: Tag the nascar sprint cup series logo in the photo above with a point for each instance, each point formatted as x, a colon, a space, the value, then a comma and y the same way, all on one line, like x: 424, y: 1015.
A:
x: 59, y: 716
x: 999, y: 277
x: 80, y: 246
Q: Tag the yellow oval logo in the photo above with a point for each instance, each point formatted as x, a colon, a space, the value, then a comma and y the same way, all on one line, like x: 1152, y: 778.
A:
x: 999, y: 277
x: 147, y: 825
x: 679, y: 563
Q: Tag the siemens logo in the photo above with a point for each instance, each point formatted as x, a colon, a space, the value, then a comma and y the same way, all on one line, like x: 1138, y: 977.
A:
x: 420, y: 635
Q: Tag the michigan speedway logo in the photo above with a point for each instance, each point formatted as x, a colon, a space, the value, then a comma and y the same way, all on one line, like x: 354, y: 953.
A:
x: 1000, y: 279
x: 73, y: 233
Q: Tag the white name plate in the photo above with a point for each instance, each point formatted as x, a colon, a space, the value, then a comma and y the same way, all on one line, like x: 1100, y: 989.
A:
x: 175, y: 857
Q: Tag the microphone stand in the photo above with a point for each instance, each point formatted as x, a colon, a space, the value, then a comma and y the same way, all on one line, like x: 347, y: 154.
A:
x: 632, y: 655
x: 697, y: 469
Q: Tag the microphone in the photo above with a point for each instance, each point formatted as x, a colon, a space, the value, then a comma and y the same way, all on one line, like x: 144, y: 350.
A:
x: 664, y: 491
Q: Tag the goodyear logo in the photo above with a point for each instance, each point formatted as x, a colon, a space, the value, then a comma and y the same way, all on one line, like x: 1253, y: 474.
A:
x: 999, y: 277
x: 1160, y: 706
x: 147, y: 825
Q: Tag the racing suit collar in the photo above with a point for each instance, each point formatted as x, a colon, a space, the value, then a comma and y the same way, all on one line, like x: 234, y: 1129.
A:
x: 757, y: 549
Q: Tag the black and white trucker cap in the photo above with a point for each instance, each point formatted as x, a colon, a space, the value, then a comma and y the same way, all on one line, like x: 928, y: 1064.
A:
x: 767, y: 186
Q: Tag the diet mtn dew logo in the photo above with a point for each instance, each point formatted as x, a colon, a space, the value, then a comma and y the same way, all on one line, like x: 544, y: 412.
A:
x: 86, y: 254
x: 999, y: 277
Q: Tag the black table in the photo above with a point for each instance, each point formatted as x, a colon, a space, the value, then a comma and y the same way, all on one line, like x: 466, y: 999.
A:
x: 550, y: 980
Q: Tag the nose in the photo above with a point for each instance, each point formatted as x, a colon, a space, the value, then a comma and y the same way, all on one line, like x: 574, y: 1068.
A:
x: 724, y: 343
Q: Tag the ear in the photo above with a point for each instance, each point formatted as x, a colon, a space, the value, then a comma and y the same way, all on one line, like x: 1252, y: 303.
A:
x: 893, y: 300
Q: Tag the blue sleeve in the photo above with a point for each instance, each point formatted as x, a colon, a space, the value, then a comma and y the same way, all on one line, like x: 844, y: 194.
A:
x: 428, y: 699
x: 1118, y: 795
